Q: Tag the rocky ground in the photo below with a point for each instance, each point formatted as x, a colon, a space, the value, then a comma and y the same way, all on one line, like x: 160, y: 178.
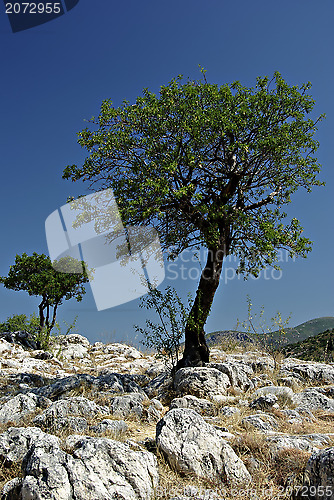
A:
x: 105, y: 421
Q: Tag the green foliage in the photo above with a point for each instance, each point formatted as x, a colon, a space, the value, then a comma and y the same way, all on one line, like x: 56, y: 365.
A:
x: 272, y: 338
x: 70, y: 327
x: 201, y: 161
x: 21, y: 322
x: 316, y: 348
x: 30, y: 325
x: 36, y: 274
x: 164, y: 337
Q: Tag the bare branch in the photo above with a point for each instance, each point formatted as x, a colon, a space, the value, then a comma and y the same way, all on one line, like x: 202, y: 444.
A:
x: 265, y: 201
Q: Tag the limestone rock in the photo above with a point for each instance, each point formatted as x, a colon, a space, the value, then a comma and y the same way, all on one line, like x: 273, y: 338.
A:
x: 153, y: 413
x: 68, y: 413
x: 310, y: 371
x: 17, y: 441
x: 319, y: 476
x: 261, y: 422
x: 312, y: 400
x: 25, y: 339
x: 193, y: 446
x: 238, y: 374
x: 113, y: 427
x: 264, y: 402
x: 110, y: 382
x: 72, y: 346
x: 99, y: 468
x: 307, y: 442
x: 159, y: 387
x: 202, y: 406
x: 229, y: 411
x: 20, y: 406
x: 127, y: 404
x: 201, y: 382
x: 117, y: 350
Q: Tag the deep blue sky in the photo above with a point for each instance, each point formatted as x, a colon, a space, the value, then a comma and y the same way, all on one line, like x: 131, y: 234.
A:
x: 55, y: 76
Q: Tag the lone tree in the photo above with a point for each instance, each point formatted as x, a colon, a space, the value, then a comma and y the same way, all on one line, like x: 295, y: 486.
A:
x: 36, y: 275
x: 211, y: 166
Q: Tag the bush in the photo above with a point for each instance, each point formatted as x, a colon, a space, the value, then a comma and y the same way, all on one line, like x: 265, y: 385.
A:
x: 31, y: 325
x: 165, y: 337
x: 21, y: 322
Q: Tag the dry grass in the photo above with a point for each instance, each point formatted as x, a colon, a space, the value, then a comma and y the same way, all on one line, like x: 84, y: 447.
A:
x: 280, y: 471
x: 172, y: 483
x: 8, y: 472
x: 273, y: 476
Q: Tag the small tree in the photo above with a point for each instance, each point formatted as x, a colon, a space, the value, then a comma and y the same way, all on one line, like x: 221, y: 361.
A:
x: 166, y: 336
x: 36, y: 275
x: 211, y: 166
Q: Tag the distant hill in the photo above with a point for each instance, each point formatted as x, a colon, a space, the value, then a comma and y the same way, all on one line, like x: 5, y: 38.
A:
x: 296, y: 334
x: 228, y: 335
x: 316, y: 348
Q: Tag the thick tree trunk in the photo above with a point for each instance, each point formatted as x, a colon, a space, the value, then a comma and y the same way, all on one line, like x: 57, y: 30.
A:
x: 196, y: 351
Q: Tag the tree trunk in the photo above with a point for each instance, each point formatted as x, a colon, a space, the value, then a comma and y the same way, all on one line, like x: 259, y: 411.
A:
x: 196, y: 351
x: 41, y: 314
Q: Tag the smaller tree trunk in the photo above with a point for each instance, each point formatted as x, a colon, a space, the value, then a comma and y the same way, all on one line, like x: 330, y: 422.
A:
x: 41, y: 308
x: 54, y: 315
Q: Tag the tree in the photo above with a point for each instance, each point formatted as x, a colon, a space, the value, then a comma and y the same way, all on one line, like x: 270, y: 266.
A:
x: 211, y: 166
x: 36, y: 274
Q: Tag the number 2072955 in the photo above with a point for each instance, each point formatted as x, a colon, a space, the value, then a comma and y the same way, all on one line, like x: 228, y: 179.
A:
x: 33, y: 8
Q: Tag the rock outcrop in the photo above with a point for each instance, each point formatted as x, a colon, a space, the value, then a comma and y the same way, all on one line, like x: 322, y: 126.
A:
x: 193, y: 446
x: 101, y: 421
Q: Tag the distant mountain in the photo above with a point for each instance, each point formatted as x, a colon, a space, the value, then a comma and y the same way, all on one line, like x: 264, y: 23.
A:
x: 315, y: 348
x: 228, y: 335
x: 292, y: 335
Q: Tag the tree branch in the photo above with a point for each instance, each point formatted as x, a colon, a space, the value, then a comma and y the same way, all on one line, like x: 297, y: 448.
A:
x: 265, y: 201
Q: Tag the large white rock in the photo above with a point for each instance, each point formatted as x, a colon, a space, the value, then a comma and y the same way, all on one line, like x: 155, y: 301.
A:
x: 310, y: 371
x: 202, y: 382
x: 20, y: 406
x: 127, y: 404
x: 202, y: 406
x: 238, y: 374
x: 72, y: 346
x: 68, y: 412
x: 99, y: 469
x: 306, y: 442
x: 261, y: 422
x: 193, y: 446
x: 118, y: 349
x: 17, y: 441
x: 276, y: 390
x: 312, y: 400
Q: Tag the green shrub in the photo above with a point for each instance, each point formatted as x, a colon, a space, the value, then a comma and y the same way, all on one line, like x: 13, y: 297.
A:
x: 21, y: 322
x: 32, y: 325
x: 165, y: 337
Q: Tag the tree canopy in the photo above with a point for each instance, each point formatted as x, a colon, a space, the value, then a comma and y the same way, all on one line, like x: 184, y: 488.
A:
x: 208, y: 165
x: 36, y: 275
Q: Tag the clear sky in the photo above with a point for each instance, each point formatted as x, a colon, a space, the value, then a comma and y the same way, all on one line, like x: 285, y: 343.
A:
x: 55, y: 76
